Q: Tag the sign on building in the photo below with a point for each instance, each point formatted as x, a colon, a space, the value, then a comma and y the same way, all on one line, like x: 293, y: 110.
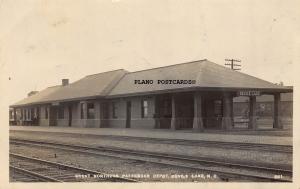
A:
x: 55, y: 103
x: 249, y: 93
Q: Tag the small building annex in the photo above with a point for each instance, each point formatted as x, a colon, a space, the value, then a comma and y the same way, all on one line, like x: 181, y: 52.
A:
x: 195, y: 95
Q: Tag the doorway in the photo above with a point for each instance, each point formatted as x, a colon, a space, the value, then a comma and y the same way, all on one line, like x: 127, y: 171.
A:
x: 53, y: 116
x: 104, y: 114
x: 212, y: 113
x: 165, y: 111
x: 185, y: 111
x: 128, y: 114
x: 70, y: 115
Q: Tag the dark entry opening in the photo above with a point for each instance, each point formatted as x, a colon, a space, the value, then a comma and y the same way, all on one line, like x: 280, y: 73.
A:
x: 164, y: 103
x: 184, y: 111
x: 128, y: 114
x: 104, y: 115
x: 212, y: 112
x: 70, y: 115
x: 53, y: 115
x: 37, y: 120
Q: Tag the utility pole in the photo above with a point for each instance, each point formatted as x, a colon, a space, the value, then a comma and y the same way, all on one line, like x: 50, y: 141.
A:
x: 232, y: 64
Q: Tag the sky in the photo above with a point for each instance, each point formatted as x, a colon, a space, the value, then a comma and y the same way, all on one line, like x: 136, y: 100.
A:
x: 44, y: 41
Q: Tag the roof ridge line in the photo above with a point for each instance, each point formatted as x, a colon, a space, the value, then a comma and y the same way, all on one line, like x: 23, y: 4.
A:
x: 116, y: 84
x: 105, y: 72
x: 107, y: 89
x: 199, y: 75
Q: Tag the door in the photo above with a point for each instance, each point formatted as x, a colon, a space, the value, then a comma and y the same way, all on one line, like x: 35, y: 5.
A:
x: 38, y: 116
x: 128, y: 114
x: 53, y: 116
x: 70, y: 115
x: 218, y: 112
x: 185, y: 111
x: 213, y: 113
x: 104, y: 115
x: 165, y: 112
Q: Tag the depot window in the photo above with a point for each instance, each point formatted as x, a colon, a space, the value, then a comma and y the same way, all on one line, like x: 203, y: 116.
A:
x: 90, y: 111
x: 11, y: 114
x: 61, y: 112
x: 21, y: 111
x: 167, y: 107
x: 144, y: 108
x: 32, y: 113
x: 114, y: 110
x: 218, y: 107
x: 38, y: 112
x: 46, y: 112
x: 27, y: 114
x: 82, y: 111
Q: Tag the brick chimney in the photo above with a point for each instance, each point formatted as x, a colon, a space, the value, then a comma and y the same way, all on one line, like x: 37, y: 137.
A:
x: 65, y: 82
x: 32, y: 93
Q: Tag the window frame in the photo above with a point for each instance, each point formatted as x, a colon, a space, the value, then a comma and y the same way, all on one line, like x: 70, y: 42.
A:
x: 27, y: 114
x: 218, y: 108
x: 46, y: 113
x: 114, y: 110
x: 61, y: 112
x: 21, y: 114
x: 32, y: 113
x: 87, y: 110
x: 144, y: 108
x: 11, y: 114
x: 81, y: 110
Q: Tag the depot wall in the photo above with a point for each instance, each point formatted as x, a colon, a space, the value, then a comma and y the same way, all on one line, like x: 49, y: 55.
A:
x: 136, y: 119
x: 264, y: 109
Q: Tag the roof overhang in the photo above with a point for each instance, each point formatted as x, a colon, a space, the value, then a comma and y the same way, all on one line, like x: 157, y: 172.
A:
x: 59, y: 101
x: 204, y: 89
x: 178, y: 90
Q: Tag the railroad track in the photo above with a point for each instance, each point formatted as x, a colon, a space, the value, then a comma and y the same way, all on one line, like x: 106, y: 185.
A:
x: 21, y: 175
x: 226, y: 170
x: 37, y: 170
x: 204, y: 143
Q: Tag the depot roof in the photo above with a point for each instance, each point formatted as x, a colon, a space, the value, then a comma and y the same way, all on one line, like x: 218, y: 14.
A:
x: 205, y: 75
x: 97, y: 85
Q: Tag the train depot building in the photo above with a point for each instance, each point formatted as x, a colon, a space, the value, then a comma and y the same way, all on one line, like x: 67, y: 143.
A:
x: 196, y: 95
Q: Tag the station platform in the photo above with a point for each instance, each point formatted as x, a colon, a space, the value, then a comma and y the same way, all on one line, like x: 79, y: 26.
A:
x: 165, y: 134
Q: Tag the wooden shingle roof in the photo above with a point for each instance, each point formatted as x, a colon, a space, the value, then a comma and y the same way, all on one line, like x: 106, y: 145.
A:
x: 207, y: 75
x: 97, y: 85
x: 38, y: 97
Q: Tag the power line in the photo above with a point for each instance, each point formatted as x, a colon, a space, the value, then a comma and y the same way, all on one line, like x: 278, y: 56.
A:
x: 232, y: 64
